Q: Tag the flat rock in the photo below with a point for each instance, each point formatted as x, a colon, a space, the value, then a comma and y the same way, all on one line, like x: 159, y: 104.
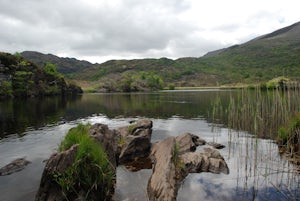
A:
x: 14, y: 166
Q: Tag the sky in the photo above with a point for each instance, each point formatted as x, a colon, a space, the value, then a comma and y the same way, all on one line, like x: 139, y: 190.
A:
x: 100, y: 30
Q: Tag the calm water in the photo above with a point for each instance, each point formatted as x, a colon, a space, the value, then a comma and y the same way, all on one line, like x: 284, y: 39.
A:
x: 34, y: 128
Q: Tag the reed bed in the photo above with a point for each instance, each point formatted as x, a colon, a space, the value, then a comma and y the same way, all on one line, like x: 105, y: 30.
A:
x: 262, y: 113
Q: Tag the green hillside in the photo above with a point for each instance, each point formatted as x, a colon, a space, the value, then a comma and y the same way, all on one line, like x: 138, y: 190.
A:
x: 64, y: 65
x: 259, y: 60
x: 22, y: 78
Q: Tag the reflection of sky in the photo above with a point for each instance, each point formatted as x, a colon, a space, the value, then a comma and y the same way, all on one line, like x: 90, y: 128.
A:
x: 257, y: 172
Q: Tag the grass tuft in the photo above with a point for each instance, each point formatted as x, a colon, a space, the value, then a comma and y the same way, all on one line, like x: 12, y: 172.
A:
x: 91, y: 174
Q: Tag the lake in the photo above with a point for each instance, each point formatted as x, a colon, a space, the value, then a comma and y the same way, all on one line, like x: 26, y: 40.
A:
x: 33, y: 128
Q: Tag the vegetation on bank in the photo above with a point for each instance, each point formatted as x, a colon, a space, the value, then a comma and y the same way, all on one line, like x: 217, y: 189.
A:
x: 257, y: 61
x: 289, y: 137
x: 269, y: 113
x: 22, y: 78
x: 91, y: 170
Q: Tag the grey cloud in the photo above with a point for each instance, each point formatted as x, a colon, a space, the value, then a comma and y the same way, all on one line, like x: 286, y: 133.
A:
x: 132, y: 26
x: 141, y: 28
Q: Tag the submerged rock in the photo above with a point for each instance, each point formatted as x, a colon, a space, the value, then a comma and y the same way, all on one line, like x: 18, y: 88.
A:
x: 14, y: 166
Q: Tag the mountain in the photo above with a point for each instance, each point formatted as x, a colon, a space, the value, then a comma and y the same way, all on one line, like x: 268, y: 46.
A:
x: 64, y: 65
x: 258, y: 60
x: 22, y: 78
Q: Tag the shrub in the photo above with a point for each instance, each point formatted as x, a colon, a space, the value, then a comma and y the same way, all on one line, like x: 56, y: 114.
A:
x: 91, y: 176
x: 6, y: 89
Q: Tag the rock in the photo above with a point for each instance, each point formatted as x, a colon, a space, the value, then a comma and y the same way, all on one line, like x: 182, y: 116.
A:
x: 57, y: 164
x: 137, y: 140
x: 14, y: 166
x: 162, y: 183
x: 188, y: 142
x: 108, y: 139
x: 209, y: 160
x: 216, y: 145
x: 174, y: 158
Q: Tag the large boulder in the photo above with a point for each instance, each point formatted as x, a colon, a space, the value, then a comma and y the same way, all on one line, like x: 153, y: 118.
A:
x: 57, y: 164
x: 136, y: 140
x: 162, y: 183
x: 108, y: 139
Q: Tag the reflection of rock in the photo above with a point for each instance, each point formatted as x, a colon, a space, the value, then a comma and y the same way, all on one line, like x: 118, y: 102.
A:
x: 57, y: 164
x: 174, y: 158
x: 14, y: 166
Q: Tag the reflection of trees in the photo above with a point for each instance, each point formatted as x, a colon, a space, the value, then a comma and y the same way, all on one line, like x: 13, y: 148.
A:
x: 19, y: 114
x: 151, y: 105
x: 16, y: 115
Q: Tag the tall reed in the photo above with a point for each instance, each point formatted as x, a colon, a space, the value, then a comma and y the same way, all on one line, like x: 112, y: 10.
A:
x: 259, y: 112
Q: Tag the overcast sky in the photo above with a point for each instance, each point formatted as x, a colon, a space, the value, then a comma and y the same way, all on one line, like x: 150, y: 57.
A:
x: 99, y: 30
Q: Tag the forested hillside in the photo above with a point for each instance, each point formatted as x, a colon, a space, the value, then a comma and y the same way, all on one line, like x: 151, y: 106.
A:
x: 22, y: 78
x: 259, y: 60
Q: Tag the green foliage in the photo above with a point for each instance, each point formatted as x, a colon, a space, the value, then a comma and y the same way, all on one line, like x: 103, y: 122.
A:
x: 289, y: 136
x: 51, y: 69
x: 171, y: 86
x: 74, y: 136
x: 91, y: 173
x: 22, y: 83
x: 6, y: 89
x: 18, y: 56
x: 24, y: 63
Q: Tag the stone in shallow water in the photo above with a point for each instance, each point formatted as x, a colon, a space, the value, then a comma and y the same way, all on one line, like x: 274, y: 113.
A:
x: 14, y: 166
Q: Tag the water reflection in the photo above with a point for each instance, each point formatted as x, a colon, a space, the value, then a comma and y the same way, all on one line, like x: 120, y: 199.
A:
x: 257, y: 171
x: 17, y: 115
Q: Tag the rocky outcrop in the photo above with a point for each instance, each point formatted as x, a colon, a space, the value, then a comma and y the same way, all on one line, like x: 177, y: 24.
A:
x: 173, y: 158
x: 208, y: 160
x: 188, y: 142
x: 57, y: 164
x: 137, y: 144
x: 108, y: 139
x: 136, y: 140
x: 14, y: 166
x: 162, y: 183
